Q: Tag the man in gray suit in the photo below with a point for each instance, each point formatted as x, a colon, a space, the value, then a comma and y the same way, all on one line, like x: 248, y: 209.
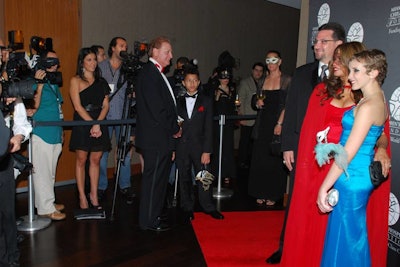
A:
x: 247, y: 89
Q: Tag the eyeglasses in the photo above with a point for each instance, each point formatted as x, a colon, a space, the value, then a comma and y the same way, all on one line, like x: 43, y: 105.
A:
x: 323, y: 42
x: 272, y: 60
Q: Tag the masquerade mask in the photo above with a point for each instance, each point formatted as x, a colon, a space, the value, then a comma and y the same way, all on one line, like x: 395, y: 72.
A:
x: 224, y: 75
x: 272, y: 60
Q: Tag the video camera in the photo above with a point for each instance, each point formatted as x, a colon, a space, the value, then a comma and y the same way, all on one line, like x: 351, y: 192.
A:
x: 131, y: 63
x: 179, y: 76
x: 41, y: 46
x: 51, y: 77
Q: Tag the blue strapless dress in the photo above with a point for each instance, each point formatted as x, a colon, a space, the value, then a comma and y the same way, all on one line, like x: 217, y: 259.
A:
x: 346, y: 240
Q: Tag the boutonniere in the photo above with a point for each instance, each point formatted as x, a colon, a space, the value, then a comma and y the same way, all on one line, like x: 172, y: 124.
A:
x: 200, y: 109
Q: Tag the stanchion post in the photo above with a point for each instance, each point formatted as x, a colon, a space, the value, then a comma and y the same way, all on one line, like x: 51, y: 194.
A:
x: 31, y: 222
x: 221, y: 192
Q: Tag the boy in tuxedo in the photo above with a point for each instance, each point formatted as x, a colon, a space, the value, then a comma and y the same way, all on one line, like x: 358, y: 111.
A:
x: 195, y: 145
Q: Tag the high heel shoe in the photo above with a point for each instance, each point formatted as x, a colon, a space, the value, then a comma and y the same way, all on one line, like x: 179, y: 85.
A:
x: 96, y: 207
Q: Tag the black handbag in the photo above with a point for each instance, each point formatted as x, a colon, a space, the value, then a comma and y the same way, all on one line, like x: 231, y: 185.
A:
x: 375, y: 172
x: 21, y: 162
x: 275, y: 145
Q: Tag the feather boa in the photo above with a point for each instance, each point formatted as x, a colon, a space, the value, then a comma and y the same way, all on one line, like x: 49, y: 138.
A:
x: 325, y: 151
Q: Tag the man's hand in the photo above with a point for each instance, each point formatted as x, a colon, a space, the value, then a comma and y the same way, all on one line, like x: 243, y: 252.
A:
x: 40, y: 74
x: 288, y: 159
x: 178, y: 134
x: 15, y: 143
x: 382, y: 156
x: 205, y: 158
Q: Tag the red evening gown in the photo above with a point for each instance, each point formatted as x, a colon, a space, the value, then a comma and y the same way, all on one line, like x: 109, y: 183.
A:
x: 306, y: 226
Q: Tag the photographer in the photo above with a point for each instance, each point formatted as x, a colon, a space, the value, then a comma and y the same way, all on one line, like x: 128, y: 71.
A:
x: 9, y: 254
x: 47, y: 140
x: 111, y: 72
x: 176, y: 79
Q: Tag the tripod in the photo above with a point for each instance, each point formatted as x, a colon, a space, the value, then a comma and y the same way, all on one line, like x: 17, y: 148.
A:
x: 124, y: 144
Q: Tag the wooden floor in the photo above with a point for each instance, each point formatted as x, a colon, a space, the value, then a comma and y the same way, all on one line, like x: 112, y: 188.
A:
x: 104, y: 243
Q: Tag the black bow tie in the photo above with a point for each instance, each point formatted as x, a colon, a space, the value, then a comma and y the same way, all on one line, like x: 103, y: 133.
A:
x: 194, y: 96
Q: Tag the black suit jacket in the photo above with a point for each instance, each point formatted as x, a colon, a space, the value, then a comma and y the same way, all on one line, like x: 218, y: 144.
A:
x: 304, y: 80
x: 197, y: 132
x: 156, y: 112
x: 4, y: 136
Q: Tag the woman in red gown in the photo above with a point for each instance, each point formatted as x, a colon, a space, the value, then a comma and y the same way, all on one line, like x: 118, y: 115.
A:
x: 305, y: 228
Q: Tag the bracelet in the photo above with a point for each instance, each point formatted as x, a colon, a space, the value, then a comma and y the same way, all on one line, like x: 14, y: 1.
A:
x: 279, y: 123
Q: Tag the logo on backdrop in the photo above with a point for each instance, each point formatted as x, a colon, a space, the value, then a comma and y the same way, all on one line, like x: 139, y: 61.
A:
x: 355, y: 33
x: 393, y: 234
x: 324, y: 14
x: 393, y: 22
x: 394, y: 105
x: 323, y: 17
x: 394, y: 209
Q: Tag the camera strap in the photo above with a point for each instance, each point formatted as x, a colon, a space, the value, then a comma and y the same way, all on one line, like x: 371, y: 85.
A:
x: 120, y: 83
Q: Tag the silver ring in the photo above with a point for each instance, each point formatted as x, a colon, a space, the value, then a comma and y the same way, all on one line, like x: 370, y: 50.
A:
x: 284, y: 162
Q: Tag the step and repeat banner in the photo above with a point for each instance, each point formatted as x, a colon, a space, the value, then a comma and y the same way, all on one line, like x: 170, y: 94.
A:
x: 377, y: 25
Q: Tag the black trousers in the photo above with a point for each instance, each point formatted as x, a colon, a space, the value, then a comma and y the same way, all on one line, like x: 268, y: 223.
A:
x: 291, y: 183
x: 187, y: 196
x: 8, y: 229
x: 157, y: 165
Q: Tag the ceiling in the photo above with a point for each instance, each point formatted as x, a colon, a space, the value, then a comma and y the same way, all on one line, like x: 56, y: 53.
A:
x: 291, y: 3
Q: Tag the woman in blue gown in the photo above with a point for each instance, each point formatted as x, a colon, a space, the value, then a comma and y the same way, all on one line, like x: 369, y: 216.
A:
x: 346, y: 240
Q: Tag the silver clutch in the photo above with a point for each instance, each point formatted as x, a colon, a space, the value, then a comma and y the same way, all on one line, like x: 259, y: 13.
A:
x: 333, y: 197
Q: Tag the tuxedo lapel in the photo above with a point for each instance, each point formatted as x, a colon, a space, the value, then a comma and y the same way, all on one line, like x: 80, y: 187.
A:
x: 197, y: 105
x: 183, y: 110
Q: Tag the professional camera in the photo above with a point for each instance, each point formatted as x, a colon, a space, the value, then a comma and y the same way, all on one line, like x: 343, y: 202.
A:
x: 131, y: 61
x: 51, y: 77
x: 19, y: 83
x: 38, y: 48
x: 179, y: 76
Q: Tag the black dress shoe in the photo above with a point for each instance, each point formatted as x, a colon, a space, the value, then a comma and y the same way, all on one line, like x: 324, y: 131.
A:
x: 275, y: 258
x: 161, y: 227
x: 20, y: 238
x: 128, y: 195
x: 216, y: 215
x: 188, y: 216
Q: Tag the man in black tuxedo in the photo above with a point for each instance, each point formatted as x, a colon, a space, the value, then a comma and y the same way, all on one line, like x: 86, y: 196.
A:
x: 156, y: 128
x: 194, y: 148
x: 304, y: 79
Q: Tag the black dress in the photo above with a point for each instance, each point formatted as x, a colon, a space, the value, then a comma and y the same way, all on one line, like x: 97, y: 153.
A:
x: 268, y: 175
x: 92, y: 100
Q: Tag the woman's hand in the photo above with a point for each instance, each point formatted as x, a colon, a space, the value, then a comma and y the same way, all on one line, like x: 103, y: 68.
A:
x: 95, y: 131
x: 322, y: 202
x: 278, y: 129
x: 260, y: 103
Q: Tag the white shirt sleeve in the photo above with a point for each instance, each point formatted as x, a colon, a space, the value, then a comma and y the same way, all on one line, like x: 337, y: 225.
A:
x: 21, y: 124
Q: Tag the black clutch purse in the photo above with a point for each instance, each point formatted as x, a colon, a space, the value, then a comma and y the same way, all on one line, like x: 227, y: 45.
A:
x: 275, y: 145
x: 375, y: 172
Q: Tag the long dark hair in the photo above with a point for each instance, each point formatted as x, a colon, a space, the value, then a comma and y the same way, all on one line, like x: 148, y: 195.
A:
x: 81, y: 57
x: 334, y: 86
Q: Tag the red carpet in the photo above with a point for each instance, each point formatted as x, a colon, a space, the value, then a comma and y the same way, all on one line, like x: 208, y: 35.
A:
x: 241, y: 239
